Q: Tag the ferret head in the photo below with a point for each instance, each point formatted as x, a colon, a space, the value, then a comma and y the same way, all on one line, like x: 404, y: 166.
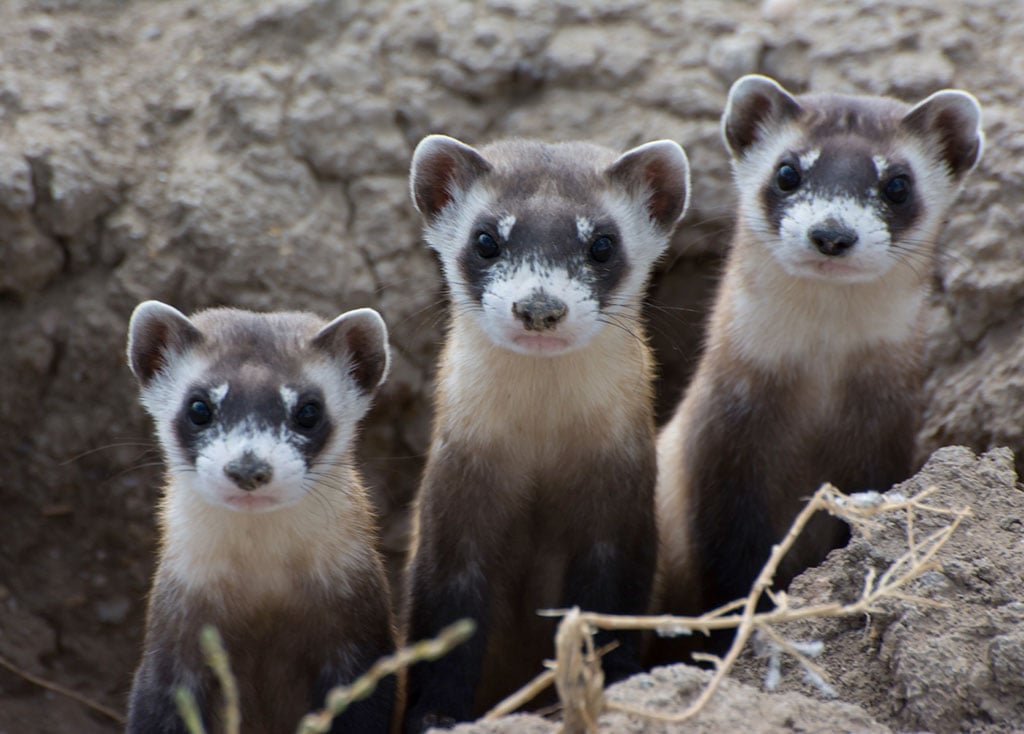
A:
x: 844, y: 188
x: 254, y: 410
x: 546, y: 244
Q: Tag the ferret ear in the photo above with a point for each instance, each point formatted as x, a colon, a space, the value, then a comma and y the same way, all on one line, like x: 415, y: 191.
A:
x: 659, y: 172
x: 952, y: 119
x: 361, y: 338
x: 755, y: 104
x: 441, y: 167
x: 156, y: 331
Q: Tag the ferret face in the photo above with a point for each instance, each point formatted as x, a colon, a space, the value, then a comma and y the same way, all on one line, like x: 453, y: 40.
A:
x: 840, y: 211
x: 255, y: 411
x: 540, y: 277
x: 545, y: 245
x: 844, y: 189
x: 253, y: 440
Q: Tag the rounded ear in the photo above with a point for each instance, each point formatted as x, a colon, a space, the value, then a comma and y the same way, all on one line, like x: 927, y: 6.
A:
x: 755, y: 103
x: 155, y: 331
x: 660, y: 173
x: 440, y: 166
x: 359, y: 337
x: 951, y: 118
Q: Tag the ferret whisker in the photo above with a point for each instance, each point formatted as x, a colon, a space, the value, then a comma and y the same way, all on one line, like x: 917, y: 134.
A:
x: 149, y: 446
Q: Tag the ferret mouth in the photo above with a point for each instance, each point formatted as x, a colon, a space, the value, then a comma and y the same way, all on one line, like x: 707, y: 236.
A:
x: 832, y: 269
x: 252, y: 502
x: 541, y: 344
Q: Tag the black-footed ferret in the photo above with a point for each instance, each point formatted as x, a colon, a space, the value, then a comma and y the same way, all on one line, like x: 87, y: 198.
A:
x: 267, y: 530
x: 812, y: 366
x: 539, y: 487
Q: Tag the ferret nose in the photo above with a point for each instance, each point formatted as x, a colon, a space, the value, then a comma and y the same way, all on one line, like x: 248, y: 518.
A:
x: 540, y: 312
x: 248, y: 471
x: 833, y: 241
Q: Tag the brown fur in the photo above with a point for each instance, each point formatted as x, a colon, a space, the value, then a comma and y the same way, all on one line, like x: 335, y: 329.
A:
x: 276, y: 650
x: 519, y: 497
x: 768, y: 439
x: 804, y: 381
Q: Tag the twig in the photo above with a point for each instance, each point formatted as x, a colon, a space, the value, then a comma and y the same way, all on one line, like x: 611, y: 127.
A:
x: 57, y: 688
x: 341, y: 697
x: 579, y: 679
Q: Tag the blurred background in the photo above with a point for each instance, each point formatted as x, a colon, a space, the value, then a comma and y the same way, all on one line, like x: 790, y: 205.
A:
x: 255, y: 154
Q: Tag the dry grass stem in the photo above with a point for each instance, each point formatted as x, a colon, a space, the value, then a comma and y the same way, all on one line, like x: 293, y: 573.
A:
x: 61, y: 690
x: 188, y: 710
x: 217, y: 658
x: 523, y: 696
x: 341, y: 697
x: 860, y: 510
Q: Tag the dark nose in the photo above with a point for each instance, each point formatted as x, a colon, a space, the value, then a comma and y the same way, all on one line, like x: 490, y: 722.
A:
x: 248, y: 471
x: 540, y: 312
x: 833, y: 241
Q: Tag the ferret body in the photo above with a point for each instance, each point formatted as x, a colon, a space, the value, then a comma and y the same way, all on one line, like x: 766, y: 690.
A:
x: 812, y: 365
x: 539, y: 488
x: 267, y: 533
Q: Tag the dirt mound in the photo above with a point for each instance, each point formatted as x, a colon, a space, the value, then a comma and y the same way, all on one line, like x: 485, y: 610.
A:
x: 255, y: 154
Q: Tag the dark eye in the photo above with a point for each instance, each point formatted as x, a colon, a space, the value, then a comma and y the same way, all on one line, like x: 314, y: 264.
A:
x: 897, y: 190
x: 486, y: 246
x: 199, y: 412
x: 788, y: 178
x: 308, y: 415
x: 601, y: 249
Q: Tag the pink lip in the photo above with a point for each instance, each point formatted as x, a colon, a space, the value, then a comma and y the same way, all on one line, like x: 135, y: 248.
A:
x: 831, y: 267
x: 250, y: 502
x: 541, y: 343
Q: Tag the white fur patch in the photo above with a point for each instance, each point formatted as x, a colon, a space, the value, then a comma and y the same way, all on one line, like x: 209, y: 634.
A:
x: 505, y: 225
x: 511, y: 284
x: 759, y: 165
x: 163, y: 397
x: 346, y: 403
x: 448, y: 233
x: 808, y: 159
x: 218, y: 394
x: 866, y: 260
x: 584, y: 229
x: 643, y: 241
x: 290, y: 398
x: 288, y: 467
x: 881, y: 164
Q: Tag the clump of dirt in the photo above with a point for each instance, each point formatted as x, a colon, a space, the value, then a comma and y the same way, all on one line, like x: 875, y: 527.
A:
x: 255, y: 154
x: 954, y: 666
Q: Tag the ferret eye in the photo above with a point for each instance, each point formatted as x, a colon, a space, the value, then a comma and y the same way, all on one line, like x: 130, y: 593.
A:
x: 897, y: 190
x: 601, y: 249
x: 787, y: 178
x: 199, y: 412
x: 308, y: 415
x: 486, y: 246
